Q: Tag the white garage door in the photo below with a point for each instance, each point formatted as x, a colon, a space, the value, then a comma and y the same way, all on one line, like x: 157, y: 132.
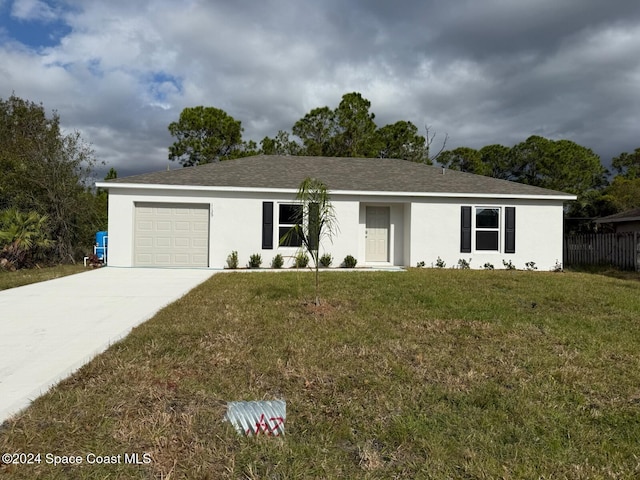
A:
x: 171, y: 235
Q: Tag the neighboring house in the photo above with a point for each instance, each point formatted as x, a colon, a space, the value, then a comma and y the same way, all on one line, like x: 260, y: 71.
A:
x: 390, y: 213
x: 628, y: 221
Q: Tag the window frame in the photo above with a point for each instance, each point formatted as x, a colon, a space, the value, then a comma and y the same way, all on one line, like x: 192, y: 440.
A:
x: 287, y: 225
x: 499, y: 229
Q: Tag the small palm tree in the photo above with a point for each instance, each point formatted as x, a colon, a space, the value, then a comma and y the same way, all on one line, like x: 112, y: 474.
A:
x: 23, y: 237
x: 316, y: 220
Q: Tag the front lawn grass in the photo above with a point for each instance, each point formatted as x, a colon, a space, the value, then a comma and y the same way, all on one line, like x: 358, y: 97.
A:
x: 35, y: 275
x: 419, y: 374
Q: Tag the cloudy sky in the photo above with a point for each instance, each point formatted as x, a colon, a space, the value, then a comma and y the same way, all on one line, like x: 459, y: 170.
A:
x: 481, y: 71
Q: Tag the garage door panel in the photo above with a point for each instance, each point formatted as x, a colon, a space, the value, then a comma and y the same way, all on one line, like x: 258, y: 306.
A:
x: 171, y: 235
x: 145, y: 225
x: 164, y: 226
x: 163, y: 259
x: 163, y: 242
x: 200, y: 258
x: 182, y: 242
x: 144, y: 258
x: 142, y: 210
x: 199, y: 242
x: 200, y: 226
x: 144, y: 241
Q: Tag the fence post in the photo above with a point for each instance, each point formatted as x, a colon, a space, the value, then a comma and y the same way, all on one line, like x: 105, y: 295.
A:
x: 636, y: 244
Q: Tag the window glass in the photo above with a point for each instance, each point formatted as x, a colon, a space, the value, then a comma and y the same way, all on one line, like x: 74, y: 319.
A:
x: 486, y: 240
x: 487, y: 218
x: 289, y: 214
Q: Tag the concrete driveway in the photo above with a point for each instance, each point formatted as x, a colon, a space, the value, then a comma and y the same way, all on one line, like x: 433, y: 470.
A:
x: 50, y: 329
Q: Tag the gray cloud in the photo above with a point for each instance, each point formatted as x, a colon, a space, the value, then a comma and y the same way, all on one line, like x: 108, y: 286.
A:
x: 483, y: 71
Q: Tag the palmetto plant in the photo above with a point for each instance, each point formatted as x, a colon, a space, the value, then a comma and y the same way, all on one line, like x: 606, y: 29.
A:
x: 23, y: 238
x: 316, y: 220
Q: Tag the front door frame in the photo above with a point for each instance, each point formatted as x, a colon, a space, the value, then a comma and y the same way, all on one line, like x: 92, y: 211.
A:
x: 368, y: 253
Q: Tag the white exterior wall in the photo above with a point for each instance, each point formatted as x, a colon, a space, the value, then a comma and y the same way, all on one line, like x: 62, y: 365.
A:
x: 421, y: 228
x: 436, y: 224
x: 235, y: 224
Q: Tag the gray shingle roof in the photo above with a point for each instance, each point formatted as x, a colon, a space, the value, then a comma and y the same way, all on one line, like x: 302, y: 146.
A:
x: 626, y: 216
x: 350, y: 174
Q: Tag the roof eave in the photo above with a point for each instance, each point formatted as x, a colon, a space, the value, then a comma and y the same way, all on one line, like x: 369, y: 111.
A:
x: 215, y: 188
x: 617, y: 220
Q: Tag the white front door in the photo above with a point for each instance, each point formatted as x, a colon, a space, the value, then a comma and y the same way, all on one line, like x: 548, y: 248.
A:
x: 377, y: 234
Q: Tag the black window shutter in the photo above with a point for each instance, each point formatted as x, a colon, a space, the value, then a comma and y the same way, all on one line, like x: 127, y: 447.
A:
x: 510, y: 230
x: 465, y: 231
x: 267, y: 225
x: 314, y: 226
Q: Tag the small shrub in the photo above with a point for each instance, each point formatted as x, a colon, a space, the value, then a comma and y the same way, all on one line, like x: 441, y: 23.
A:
x: 440, y: 263
x: 420, y: 264
x: 488, y: 266
x: 508, y: 265
x: 349, y: 262
x: 464, y: 264
x: 530, y: 266
x: 232, y: 260
x: 277, y: 261
x: 255, y: 260
x: 326, y: 260
x: 301, y: 260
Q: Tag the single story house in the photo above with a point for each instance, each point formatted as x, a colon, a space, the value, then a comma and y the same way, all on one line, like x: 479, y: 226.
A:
x: 390, y: 213
x: 627, y: 221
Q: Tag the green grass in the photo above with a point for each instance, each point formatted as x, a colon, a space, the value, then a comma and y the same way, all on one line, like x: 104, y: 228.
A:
x: 35, y: 275
x: 423, y: 374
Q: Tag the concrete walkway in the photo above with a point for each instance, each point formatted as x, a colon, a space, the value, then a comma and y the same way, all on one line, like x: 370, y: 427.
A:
x: 50, y: 329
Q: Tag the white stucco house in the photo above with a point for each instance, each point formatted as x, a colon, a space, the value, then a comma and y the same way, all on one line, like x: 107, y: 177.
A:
x: 390, y: 213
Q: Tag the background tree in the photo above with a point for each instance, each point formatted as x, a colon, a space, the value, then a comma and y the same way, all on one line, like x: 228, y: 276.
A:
x: 623, y: 194
x: 356, y: 127
x: 464, y: 159
x: 205, y: 135
x: 111, y: 174
x: 47, y: 172
x: 400, y: 140
x: 350, y: 131
x: 558, y: 165
x: 317, y: 130
x: 430, y: 139
x: 281, y: 144
x: 628, y: 164
x: 495, y: 159
x: 492, y: 160
x: 102, y: 201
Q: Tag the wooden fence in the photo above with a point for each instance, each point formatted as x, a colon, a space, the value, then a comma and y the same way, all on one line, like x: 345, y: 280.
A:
x: 621, y: 250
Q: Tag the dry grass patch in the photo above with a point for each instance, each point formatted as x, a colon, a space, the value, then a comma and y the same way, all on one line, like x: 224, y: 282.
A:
x: 421, y: 374
x: 35, y: 275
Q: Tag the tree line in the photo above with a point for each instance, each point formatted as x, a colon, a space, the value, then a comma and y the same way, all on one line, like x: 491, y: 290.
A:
x: 208, y: 134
